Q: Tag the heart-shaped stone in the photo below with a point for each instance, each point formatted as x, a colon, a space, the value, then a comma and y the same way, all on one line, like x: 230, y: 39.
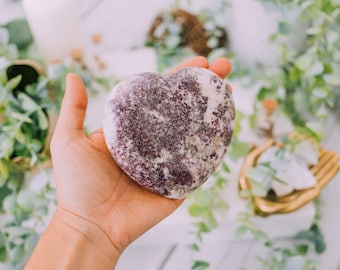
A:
x: 169, y: 133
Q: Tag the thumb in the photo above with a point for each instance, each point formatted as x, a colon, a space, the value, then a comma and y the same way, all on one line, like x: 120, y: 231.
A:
x: 73, y: 108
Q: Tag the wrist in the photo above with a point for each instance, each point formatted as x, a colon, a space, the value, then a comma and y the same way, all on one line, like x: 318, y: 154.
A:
x: 73, y: 242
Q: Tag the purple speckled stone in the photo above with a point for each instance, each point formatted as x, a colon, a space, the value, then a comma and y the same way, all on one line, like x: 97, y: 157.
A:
x: 169, y: 133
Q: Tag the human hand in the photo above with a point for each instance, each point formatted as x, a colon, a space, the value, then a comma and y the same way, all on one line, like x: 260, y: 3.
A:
x: 90, y: 185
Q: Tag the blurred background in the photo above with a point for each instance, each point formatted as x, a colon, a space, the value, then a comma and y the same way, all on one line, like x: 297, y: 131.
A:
x: 286, y: 81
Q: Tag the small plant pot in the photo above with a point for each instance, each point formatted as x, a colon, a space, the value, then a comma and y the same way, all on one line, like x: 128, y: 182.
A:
x: 324, y: 171
x: 30, y: 72
x: 193, y: 34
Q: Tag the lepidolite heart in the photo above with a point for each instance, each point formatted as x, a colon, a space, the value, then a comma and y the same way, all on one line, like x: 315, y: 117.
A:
x: 169, y: 133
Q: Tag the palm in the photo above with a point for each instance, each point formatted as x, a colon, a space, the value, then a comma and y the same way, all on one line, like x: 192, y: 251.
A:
x: 113, y: 201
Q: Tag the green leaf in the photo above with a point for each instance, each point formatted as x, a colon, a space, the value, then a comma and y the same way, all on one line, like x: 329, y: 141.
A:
x: 332, y: 79
x: 304, y: 62
x: 200, y: 265
x: 211, y: 220
x: 2, y: 239
x: 240, y: 231
x: 27, y: 103
x: 9, y: 204
x: 302, y: 249
x: 19, y: 33
x: 202, y: 198
x: 12, y: 83
x: 238, y: 149
x: 3, y: 254
x: 203, y: 227
x: 314, y: 30
x: 17, y: 253
x: 26, y: 199
x: 284, y: 28
x: 194, y: 247
x: 225, y: 167
x: 31, y: 241
x: 315, y: 236
x: 195, y: 210
x: 315, y: 69
x: 21, y: 117
x: 42, y: 120
x: 4, y: 172
x: 19, y: 135
x: 17, y: 231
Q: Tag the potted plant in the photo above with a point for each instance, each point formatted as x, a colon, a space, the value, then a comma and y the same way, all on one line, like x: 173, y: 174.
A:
x: 177, y: 33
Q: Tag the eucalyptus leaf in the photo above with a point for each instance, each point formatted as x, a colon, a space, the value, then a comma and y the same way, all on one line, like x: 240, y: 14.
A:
x: 2, y: 239
x: 203, y: 227
x: 320, y: 92
x: 26, y: 200
x: 173, y: 41
x: 19, y: 135
x: 27, y: 103
x: 31, y: 241
x: 174, y: 29
x: 314, y: 235
x: 195, y: 210
x: 3, y: 254
x: 17, y: 231
x: 4, y: 172
x: 212, y: 42
x: 238, y: 149
x: 9, y: 204
x: 316, y: 69
x: 13, y: 83
x: 304, y: 61
x: 200, y: 265
x: 21, y: 117
x: 194, y: 247
x: 19, y: 33
x: 42, y: 119
x: 332, y: 79
x: 284, y: 28
x: 240, y: 231
x: 17, y: 253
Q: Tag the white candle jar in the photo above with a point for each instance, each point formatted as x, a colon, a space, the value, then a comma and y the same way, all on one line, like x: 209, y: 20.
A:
x: 252, y: 22
x: 55, y: 27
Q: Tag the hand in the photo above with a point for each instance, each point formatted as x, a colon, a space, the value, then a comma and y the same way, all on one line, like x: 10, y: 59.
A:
x: 90, y: 185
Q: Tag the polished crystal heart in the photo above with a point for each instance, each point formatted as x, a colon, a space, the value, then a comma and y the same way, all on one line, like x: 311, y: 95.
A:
x: 169, y: 133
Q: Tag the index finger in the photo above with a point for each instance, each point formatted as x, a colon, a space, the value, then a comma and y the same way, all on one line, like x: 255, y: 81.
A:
x: 221, y: 66
x: 198, y: 61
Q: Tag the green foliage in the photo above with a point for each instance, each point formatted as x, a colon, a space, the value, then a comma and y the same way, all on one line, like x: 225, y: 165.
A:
x: 26, y: 212
x: 168, y: 40
x: 278, y: 258
x: 205, y: 204
x: 19, y: 33
x: 25, y: 110
x: 310, y: 77
x: 315, y: 235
